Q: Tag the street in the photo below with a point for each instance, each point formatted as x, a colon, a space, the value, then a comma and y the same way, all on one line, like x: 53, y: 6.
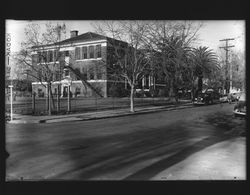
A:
x: 191, y: 143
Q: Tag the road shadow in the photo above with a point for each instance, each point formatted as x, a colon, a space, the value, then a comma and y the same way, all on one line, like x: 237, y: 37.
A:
x: 152, y: 170
x: 104, y: 155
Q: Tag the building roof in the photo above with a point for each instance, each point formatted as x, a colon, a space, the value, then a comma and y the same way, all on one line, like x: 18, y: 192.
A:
x: 89, y: 36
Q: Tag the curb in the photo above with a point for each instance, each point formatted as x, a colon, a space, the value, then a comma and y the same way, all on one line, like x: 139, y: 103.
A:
x: 113, y: 115
x: 78, y: 118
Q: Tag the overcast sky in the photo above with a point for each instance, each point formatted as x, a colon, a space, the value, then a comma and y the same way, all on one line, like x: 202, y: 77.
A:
x: 209, y: 34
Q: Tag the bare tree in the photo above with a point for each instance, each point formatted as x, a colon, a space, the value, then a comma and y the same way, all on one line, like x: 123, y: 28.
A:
x: 37, y: 56
x: 128, y: 59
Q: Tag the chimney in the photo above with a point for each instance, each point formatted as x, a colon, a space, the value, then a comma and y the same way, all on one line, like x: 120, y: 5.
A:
x: 73, y: 33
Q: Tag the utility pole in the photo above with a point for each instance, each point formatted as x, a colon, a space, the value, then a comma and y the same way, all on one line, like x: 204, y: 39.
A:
x: 228, y: 69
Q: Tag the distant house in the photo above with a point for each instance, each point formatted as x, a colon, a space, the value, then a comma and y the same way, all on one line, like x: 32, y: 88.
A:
x: 84, y: 60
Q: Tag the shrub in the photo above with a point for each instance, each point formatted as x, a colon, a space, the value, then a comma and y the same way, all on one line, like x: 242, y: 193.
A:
x: 118, y: 91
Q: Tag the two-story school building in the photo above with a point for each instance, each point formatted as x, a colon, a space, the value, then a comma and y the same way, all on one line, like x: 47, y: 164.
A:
x: 88, y: 57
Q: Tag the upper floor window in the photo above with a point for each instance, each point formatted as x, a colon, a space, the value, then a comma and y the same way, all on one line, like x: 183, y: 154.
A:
x: 56, y: 55
x: 91, y: 51
x: 88, y: 52
x: 50, y: 56
x: 47, y: 56
x: 84, y: 53
x: 91, y: 74
x: 66, y: 72
x: 66, y: 53
x: 77, y: 53
x: 43, y: 56
x: 84, y: 73
x: 98, y: 51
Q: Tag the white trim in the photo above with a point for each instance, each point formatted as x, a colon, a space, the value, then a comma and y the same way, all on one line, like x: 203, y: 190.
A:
x: 159, y: 84
x: 36, y: 83
x: 71, y: 45
x: 67, y: 48
x: 88, y: 43
x: 44, y: 63
x: 88, y: 59
x: 95, y: 81
x: 50, y: 48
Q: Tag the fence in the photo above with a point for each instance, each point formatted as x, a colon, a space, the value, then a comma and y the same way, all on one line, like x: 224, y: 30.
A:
x: 60, y: 105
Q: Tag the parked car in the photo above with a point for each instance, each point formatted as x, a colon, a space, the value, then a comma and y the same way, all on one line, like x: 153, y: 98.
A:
x: 232, y: 97
x: 240, y: 108
x: 207, y: 97
x: 223, y: 98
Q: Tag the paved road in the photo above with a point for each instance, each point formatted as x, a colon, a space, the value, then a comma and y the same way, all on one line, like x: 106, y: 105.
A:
x: 156, y: 146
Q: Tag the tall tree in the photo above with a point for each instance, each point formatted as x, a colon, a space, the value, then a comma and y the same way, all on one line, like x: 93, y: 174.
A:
x: 237, y: 63
x: 172, y: 39
x: 205, y: 63
x: 43, y: 64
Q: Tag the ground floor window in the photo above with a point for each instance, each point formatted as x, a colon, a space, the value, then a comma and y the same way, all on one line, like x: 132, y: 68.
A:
x: 40, y: 92
x: 77, y: 91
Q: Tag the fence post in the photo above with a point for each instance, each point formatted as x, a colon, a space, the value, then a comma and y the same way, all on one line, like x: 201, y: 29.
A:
x: 33, y: 103
x: 58, y: 99
x: 68, y: 98
x: 49, y: 100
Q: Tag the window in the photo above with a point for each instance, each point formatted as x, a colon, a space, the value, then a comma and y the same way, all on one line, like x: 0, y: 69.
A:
x: 39, y: 74
x: 84, y: 74
x: 34, y: 58
x: 50, y: 56
x: 77, y: 53
x: 43, y: 57
x: 98, y: 51
x: 67, y: 53
x: 98, y: 74
x: 60, y: 54
x: 39, y: 55
x: 56, y: 56
x: 66, y: 72
x: 78, y: 90
x: 57, y: 76
x: 91, y: 74
x: 40, y: 92
x: 91, y: 51
x: 77, y: 70
x: 84, y: 53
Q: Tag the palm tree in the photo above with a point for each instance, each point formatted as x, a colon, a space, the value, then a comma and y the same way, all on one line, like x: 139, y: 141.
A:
x: 205, y: 63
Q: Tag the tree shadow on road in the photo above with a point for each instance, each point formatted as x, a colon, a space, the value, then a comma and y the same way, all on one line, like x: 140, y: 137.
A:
x: 97, y: 156
x: 152, y: 170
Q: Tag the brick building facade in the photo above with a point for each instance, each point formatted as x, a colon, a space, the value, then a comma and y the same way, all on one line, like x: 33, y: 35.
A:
x: 84, y: 60
x: 86, y: 54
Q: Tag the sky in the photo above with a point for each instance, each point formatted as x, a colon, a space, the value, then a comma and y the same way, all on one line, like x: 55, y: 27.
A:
x: 209, y: 34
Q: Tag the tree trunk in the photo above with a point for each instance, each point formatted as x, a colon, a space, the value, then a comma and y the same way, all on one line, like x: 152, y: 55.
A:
x: 132, y: 99
x: 49, y: 100
x: 200, y: 83
x: 171, y: 88
x: 52, y: 99
x: 192, y: 91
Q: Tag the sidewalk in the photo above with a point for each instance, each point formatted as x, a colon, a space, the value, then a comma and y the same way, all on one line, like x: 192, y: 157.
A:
x: 18, y: 118
x: 223, y: 161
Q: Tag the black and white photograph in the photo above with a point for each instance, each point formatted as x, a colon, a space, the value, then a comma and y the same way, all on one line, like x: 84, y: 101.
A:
x: 125, y: 100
